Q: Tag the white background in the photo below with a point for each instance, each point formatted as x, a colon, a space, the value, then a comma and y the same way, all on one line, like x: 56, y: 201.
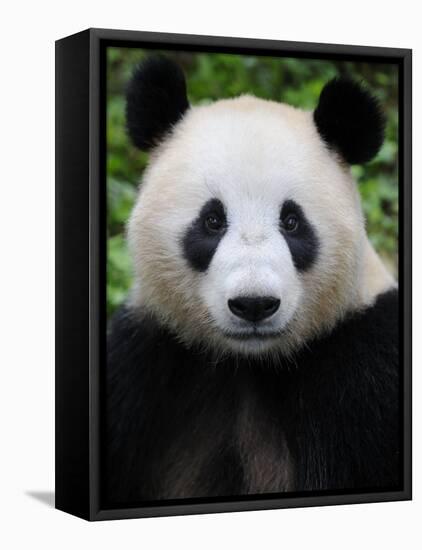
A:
x: 28, y: 31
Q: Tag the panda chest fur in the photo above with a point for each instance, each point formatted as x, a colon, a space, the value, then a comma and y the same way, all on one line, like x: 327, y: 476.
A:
x: 229, y: 440
x: 263, y: 448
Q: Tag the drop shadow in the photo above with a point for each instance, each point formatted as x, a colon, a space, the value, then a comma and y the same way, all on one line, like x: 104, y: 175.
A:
x: 45, y: 497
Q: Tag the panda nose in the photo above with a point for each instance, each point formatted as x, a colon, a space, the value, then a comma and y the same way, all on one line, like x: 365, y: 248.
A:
x: 253, y: 308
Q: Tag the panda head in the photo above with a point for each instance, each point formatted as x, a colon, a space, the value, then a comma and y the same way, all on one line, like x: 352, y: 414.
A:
x: 248, y: 234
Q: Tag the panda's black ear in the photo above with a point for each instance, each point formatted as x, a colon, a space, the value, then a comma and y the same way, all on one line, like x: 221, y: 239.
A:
x: 350, y: 120
x: 155, y: 100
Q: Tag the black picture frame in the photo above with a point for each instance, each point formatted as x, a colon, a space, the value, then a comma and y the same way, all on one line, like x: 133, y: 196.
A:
x: 81, y: 257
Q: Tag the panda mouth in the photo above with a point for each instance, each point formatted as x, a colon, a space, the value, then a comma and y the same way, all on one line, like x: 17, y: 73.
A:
x: 253, y: 335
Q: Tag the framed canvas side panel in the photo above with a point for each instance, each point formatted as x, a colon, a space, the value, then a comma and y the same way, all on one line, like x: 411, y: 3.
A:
x: 72, y: 274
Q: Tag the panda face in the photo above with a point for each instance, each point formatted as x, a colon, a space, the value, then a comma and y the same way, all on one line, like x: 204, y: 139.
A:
x: 248, y: 234
x: 249, y: 250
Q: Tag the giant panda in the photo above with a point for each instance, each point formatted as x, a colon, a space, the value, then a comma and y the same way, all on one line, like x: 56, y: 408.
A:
x: 257, y: 351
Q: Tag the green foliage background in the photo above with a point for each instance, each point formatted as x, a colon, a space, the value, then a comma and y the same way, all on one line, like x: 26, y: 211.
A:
x: 214, y: 76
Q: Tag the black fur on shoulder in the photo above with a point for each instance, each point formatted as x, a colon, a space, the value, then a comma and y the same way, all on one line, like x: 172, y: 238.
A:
x: 349, y: 119
x: 155, y: 100
x: 178, y: 425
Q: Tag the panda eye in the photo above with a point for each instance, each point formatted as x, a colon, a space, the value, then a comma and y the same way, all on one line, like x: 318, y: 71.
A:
x: 290, y: 223
x: 213, y: 223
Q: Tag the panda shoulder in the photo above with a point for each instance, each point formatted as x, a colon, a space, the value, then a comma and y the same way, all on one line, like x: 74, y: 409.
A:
x: 379, y: 320
x: 136, y: 343
x: 369, y: 338
x: 129, y: 334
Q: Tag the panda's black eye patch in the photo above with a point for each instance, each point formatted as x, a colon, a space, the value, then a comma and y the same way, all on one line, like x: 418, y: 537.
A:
x: 204, y: 235
x: 300, y: 236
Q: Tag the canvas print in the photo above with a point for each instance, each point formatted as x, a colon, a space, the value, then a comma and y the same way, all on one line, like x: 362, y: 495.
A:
x: 252, y: 277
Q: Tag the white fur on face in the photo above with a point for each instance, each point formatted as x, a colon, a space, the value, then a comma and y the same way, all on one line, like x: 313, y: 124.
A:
x: 252, y: 155
x: 252, y: 259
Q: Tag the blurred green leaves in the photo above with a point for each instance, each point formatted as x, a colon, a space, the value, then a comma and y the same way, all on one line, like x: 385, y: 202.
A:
x: 215, y: 76
x: 120, y: 198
